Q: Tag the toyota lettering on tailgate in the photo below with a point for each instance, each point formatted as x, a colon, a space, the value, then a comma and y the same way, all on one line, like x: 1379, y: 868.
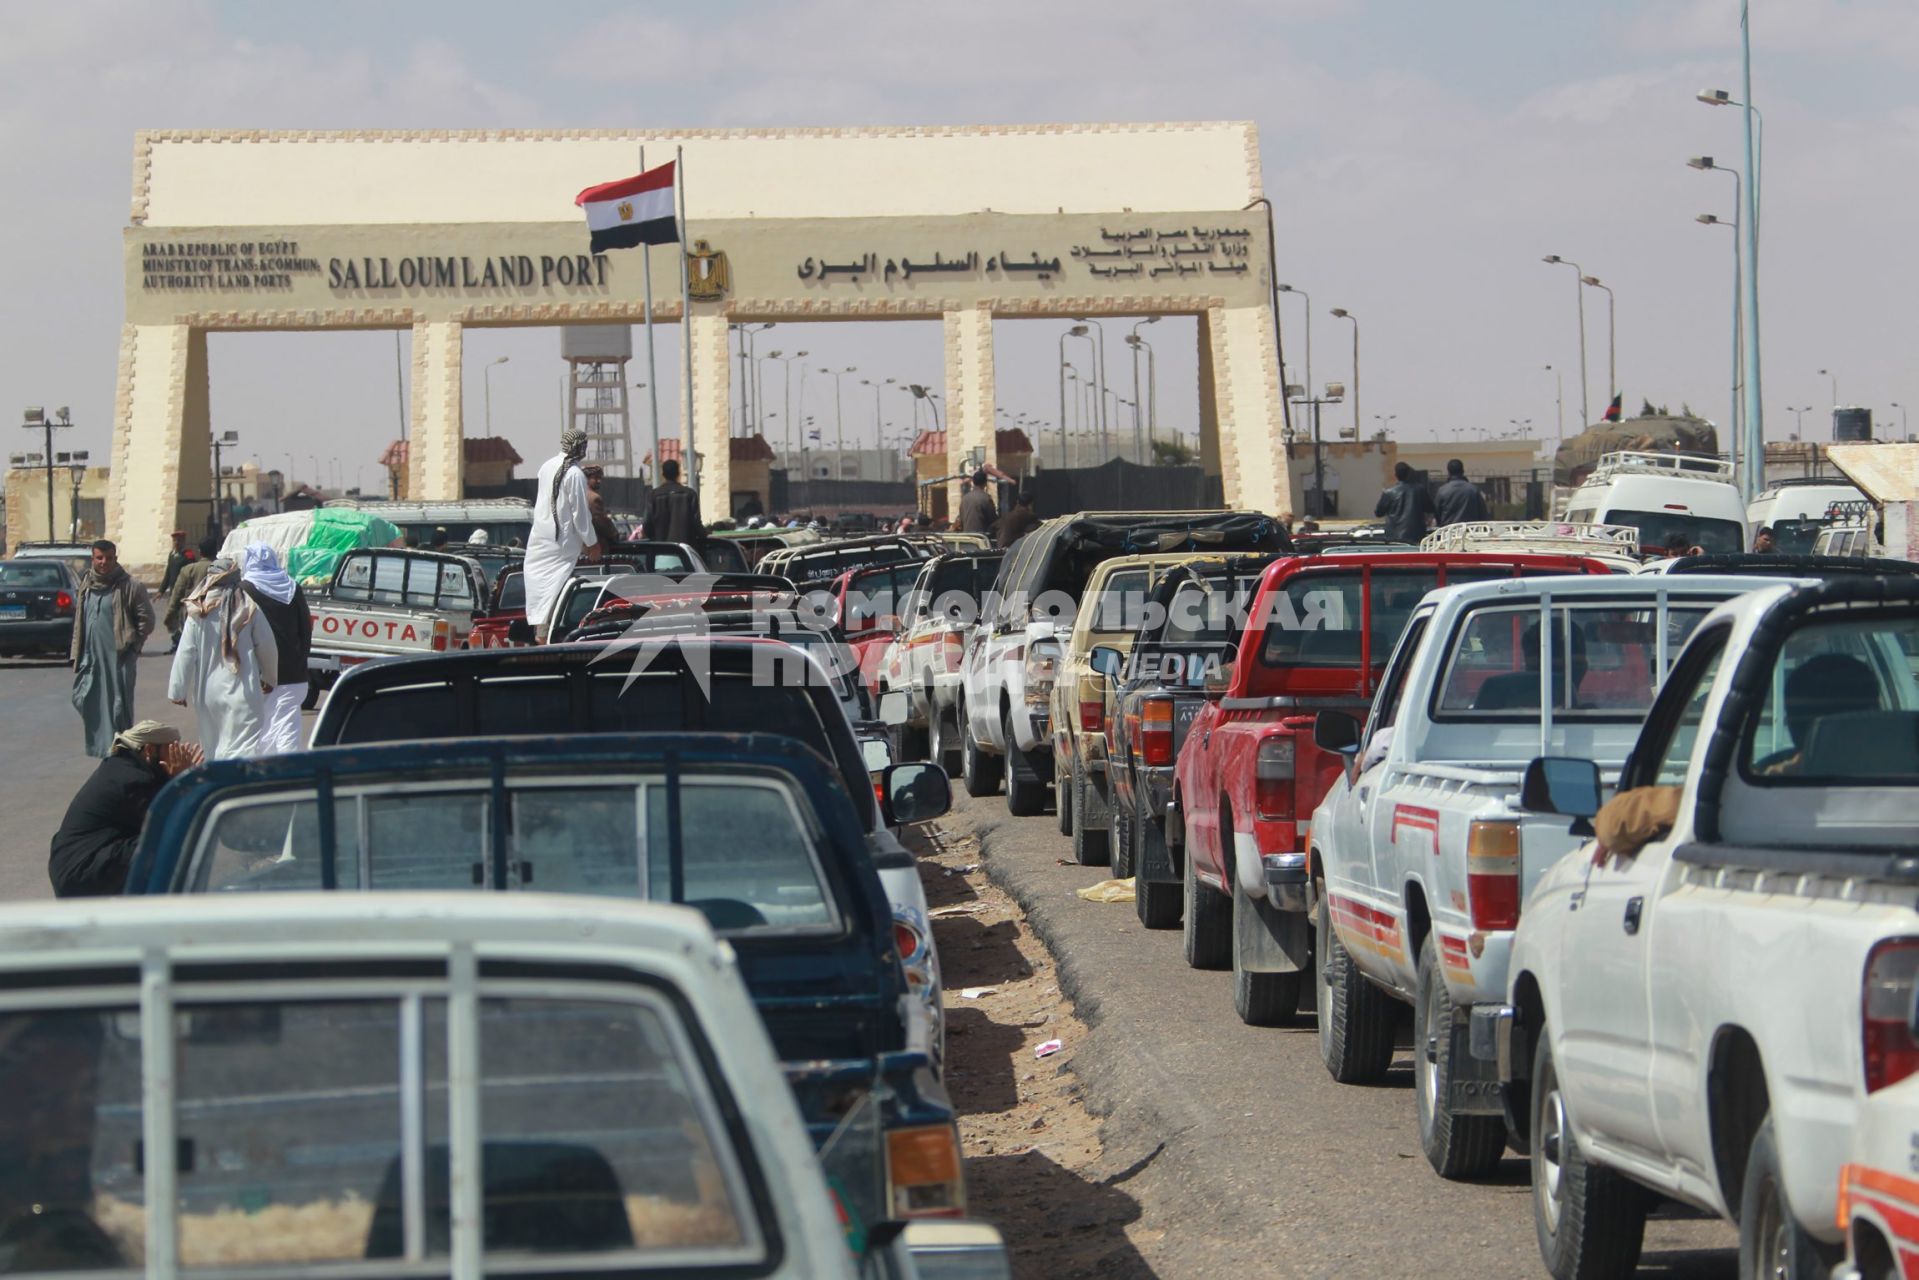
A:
x: 368, y: 628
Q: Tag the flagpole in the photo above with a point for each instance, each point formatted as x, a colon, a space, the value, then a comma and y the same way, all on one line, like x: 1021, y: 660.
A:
x: 686, y: 325
x: 652, y: 371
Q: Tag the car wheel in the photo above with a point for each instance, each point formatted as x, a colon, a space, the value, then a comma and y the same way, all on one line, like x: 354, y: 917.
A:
x: 1590, y: 1221
x: 1355, y: 1017
x: 943, y: 747
x: 1157, y: 902
x: 1025, y: 793
x: 1772, y: 1244
x: 1122, y: 842
x: 1457, y: 1146
x: 1208, y: 941
x: 979, y: 771
x: 1090, y: 848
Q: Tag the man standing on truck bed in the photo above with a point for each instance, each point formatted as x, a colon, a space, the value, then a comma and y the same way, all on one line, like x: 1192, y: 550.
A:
x: 1405, y: 507
x: 561, y: 533
x: 1459, y: 499
x: 977, y: 509
x: 673, y: 510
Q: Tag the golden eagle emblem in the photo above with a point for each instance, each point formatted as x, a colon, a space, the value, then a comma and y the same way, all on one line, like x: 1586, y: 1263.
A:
x: 626, y: 211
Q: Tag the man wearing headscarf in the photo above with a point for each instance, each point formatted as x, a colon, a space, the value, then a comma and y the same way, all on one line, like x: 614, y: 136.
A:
x: 94, y: 846
x: 562, y: 531
x: 281, y: 602
x: 227, y: 664
x: 113, y: 619
x: 186, y: 583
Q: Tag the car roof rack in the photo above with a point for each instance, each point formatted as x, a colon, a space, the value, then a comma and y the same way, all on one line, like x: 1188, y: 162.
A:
x: 1690, y: 466
x: 1537, y: 535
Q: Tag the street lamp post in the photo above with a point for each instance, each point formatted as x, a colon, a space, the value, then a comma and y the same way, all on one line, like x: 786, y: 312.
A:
x: 1579, y: 295
x: 1904, y: 430
x: 839, y: 419
x: 1074, y: 331
x: 224, y: 440
x: 77, y: 472
x: 1737, y: 444
x: 487, y: 381
x: 1612, y: 338
x: 748, y: 401
x: 1559, y: 407
x: 1385, y: 421
x: 1798, y: 419
x: 1099, y: 377
x: 870, y: 382
x: 1835, y: 386
x: 1286, y: 288
x: 1316, y: 501
x: 1344, y: 314
x: 37, y: 419
x: 1141, y: 446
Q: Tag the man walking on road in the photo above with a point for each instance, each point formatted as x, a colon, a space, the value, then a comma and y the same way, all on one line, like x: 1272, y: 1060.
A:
x: 562, y: 531
x: 284, y: 606
x: 1405, y: 507
x: 1459, y: 499
x: 185, y: 584
x: 177, y: 559
x: 673, y: 510
x: 112, y: 623
x: 603, y: 529
x: 977, y: 509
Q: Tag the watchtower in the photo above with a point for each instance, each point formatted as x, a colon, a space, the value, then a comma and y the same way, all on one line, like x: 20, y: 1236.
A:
x: 596, y: 399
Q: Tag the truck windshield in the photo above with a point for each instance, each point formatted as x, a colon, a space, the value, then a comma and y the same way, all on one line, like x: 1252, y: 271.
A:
x: 747, y: 844
x: 294, y: 1109
x: 1842, y: 707
x: 1318, y: 618
x: 1605, y: 659
x: 1659, y: 529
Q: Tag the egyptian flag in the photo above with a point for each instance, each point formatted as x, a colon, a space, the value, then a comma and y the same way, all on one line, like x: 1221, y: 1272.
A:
x: 632, y: 211
x: 1611, y: 415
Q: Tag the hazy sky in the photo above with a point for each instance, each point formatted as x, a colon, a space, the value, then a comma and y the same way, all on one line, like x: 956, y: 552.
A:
x: 1422, y: 157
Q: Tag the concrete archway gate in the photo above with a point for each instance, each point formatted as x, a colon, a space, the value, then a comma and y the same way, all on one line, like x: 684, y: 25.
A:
x: 438, y: 231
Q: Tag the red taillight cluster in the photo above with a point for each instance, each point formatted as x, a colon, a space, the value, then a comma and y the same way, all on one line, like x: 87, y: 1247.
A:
x: 907, y: 939
x: 1492, y: 874
x: 1273, y: 777
x: 1092, y: 716
x: 1886, y: 1003
x: 1156, y: 731
x: 63, y: 602
x: 442, y: 637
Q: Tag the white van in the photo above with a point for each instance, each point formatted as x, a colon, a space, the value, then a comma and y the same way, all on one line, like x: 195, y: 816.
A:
x: 1664, y: 495
x: 1797, y: 509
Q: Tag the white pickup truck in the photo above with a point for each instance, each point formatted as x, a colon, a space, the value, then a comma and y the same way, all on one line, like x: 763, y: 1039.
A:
x: 392, y: 602
x: 1420, y: 856
x: 1702, y: 997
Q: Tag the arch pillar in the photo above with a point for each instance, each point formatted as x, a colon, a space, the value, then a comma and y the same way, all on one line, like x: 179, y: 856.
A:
x: 970, y: 393
x: 162, y: 472
x: 1242, y: 417
x: 436, y: 451
x: 712, y: 414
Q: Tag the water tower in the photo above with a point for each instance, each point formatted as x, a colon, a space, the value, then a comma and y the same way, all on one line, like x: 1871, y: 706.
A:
x: 596, y: 398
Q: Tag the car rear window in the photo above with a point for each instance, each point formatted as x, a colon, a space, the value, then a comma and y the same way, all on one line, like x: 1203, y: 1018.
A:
x: 16, y: 573
x: 1657, y: 529
x: 291, y: 1115
x: 1317, y: 618
x: 1841, y: 707
x: 1605, y: 659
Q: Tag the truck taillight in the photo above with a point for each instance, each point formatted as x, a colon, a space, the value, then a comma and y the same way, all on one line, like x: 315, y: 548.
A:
x: 63, y: 602
x: 953, y: 643
x: 1273, y: 777
x: 1092, y: 715
x: 906, y: 938
x: 442, y: 635
x: 1156, y: 731
x: 1892, y: 973
x: 923, y: 1167
x: 1042, y: 668
x: 1492, y: 874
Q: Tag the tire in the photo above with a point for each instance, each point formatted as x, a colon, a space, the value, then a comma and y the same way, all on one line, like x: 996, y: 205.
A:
x: 943, y: 746
x: 1590, y: 1221
x: 1208, y: 940
x: 980, y: 772
x: 1065, y: 808
x: 1025, y: 793
x: 1355, y: 1017
x: 1157, y: 902
x: 1457, y: 1147
x: 1090, y: 848
x: 1122, y: 843
x: 1260, y: 999
x: 1771, y: 1241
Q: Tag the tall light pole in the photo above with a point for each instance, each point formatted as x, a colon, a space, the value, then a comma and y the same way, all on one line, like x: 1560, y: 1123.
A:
x: 1099, y: 375
x: 1799, y: 418
x: 1559, y: 407
x: 876, y: 385
x: 1737, y: 446
x: 1904, y: 430
x: 1286, y: 288
x: 1754, y: 399
x: 1385, y: 421
x: 839, y: 419
x: 1344, y: 314
x: 37, y: 419
x: 1074, y: 331
x: 1065, y: 460
x: 225, y: 440
x: 1134, y: 341
x: 1579, y: 296
x: 488, y: 382
x: 1720, y: 98
x: 786, y: 392
x: 1612, y: 339
x: 748, y: 402
x: 1835, y: 386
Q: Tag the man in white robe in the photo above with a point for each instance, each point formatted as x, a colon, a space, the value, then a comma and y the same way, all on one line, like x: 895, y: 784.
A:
x: 227, y: 664
x: 562, y: 531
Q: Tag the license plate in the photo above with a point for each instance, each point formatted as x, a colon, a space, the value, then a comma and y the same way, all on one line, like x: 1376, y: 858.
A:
x: 14, y: 612
x: 1183, y: 713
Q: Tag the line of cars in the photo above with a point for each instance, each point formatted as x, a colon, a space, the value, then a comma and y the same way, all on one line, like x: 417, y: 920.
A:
x: 601, y: 954
x: 1620, y: 849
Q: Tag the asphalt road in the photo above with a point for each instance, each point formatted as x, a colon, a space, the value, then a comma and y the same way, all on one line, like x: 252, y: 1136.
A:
x: 1239, y: 1154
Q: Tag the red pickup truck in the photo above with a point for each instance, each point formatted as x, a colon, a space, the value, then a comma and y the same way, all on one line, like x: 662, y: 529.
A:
x: 1248, y: 777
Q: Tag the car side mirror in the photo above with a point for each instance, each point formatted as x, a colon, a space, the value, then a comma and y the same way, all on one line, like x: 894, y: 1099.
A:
x: 1336, y: 731
x: 896, y: 707
x: 1106, y: 660
x: 1563, y: 785
x: 915, y: 792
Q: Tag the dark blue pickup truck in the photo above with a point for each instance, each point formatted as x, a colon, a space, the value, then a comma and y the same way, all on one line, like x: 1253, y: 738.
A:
x: 755, y: 831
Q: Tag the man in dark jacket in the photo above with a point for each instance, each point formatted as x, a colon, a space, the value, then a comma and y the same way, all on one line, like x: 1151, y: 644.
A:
x: 1019, y: 522
x: 673, y: 510
x: 603, y: 527
x: 1405, y: 507
x: 95, y: 844
x: 1458, y: 500
x: 977, y: 509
